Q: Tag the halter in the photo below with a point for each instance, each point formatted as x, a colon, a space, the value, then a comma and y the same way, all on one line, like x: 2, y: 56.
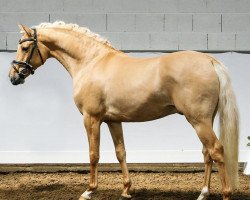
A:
x: 26, y: 64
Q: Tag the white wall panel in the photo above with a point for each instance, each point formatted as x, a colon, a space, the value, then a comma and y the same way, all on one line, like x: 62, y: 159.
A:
x: 39, y: 122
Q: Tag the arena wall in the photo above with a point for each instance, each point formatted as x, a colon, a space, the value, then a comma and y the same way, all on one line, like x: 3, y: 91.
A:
x: 141, y: 25
x: 39, y: 122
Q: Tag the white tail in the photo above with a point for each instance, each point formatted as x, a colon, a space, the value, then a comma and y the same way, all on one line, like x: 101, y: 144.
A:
x: 229, y: 124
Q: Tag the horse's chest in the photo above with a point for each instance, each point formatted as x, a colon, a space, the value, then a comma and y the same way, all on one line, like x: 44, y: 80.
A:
x: 89, y: 98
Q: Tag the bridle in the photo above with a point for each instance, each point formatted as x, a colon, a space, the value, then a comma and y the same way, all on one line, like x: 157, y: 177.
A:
x: 26, y: 65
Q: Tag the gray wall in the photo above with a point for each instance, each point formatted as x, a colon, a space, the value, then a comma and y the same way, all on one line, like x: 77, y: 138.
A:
x: 162, y: 25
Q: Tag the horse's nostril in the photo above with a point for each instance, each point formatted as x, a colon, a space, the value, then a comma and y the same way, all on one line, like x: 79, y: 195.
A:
x: 16, y: 80
x: 12, y: 80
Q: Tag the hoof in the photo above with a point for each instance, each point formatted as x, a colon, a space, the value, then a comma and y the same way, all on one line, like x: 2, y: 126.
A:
x: 202, y: 198
x: 204, y: 194
x: 86, y: 195
x: 81, y: 198
x: 125, y: 198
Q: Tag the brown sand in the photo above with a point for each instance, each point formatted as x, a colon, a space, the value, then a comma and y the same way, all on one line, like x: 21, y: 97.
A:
x: 146, y: 186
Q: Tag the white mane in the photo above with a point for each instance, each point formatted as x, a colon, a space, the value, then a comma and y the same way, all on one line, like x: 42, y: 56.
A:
x: 76, y: 28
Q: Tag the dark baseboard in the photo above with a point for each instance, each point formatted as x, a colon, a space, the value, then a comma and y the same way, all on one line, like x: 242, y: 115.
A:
x: 112, y: 167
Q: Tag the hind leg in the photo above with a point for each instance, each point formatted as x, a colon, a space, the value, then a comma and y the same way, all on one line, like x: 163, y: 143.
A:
x: 208, y: 168
x: 216, y: 152
x: 205, y: 192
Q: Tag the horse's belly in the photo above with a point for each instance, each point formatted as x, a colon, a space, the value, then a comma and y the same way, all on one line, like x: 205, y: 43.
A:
x: 144, y: 112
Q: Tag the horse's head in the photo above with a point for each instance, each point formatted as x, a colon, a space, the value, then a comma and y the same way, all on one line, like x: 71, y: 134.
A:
x: 31, y: 54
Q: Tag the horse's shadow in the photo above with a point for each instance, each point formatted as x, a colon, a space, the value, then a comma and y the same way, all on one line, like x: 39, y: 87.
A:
x: 143, y: 194
x: 64, y: 192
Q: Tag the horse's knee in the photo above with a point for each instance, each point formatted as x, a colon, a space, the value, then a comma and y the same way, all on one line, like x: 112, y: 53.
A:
x: 217, y: 153
x: 94, y: 157
x: 120, y: 154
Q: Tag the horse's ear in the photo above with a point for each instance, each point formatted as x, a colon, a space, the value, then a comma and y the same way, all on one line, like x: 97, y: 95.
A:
x: 25, y: 29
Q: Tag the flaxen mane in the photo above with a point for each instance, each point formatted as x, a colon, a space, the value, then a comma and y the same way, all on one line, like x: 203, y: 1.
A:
x: 76, y: 28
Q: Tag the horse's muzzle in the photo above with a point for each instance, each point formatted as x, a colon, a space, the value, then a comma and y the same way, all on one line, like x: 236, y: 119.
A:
x: 16, y: 80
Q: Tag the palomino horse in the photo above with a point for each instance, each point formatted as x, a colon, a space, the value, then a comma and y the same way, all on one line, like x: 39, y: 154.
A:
x: 111, y: 87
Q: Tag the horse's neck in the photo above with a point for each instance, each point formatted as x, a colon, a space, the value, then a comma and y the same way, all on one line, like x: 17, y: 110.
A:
x: 72, y: 52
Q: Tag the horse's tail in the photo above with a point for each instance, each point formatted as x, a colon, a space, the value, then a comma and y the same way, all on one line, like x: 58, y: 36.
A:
x: 229, y: 124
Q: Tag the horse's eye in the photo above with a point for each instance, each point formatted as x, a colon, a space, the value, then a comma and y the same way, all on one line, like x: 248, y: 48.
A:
x: 25, y: 48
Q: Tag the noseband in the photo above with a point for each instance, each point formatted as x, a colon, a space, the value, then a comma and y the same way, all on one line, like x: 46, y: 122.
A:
x: 26, y: 64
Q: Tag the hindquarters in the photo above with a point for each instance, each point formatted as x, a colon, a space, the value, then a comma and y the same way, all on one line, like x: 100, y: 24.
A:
x: 198, y: 96
x: 196, y: 92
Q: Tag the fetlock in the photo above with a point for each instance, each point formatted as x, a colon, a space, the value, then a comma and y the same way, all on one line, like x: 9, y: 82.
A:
x: 227, y: 194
